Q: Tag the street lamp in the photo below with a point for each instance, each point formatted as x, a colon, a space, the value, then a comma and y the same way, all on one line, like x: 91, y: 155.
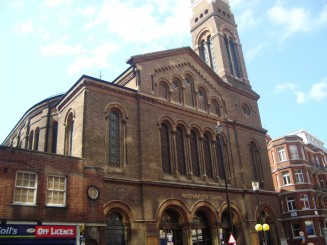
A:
x: 218, y: 131
x: 260, y: 227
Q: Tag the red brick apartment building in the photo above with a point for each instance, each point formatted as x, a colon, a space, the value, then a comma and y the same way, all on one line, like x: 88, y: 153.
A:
x: 299, y: 168
x: 140, y: 160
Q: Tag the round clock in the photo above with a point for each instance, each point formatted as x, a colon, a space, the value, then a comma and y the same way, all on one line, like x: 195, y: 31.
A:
x: 93, y: 192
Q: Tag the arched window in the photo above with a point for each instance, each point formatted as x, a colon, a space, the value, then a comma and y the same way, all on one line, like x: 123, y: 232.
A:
x: 177, y: 91
x: 195, y: 154
x: 215, y: 108
x: 256, y: 163
x: 30, y: 140
x: 202, y: 99
x: 246, y: 109
x: 54, y: 136
x: 36, y: 139
x: 222, y: 157
x: 69, y: 131
x: 232, y: 56
x: 163, y: 90
x: 207, y: 155
x: 165, y: 148
x: 114, y: 138
x: 181, y: 162
x: 207, y: 53
x: 189, y: 91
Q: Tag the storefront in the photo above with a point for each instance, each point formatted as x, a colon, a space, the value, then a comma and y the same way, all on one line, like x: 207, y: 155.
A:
x: 37, y: 235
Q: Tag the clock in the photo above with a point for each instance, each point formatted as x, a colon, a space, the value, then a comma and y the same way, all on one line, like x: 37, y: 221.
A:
x: 93, y: 192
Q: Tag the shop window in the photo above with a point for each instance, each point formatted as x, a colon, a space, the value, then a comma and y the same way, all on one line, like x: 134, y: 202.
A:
x: 56, y: 191
x: 201, y: 233
x: 25, y: 188
x: 170, y: 229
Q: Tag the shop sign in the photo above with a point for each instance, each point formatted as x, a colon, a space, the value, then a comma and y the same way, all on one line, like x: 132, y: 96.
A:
x: 17, y: 231
x: 56, y: 231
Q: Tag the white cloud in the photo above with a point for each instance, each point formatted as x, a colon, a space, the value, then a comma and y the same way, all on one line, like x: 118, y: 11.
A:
x: 293, y: 20
x: 25, y: 27
x: 60, y: 48
x: 146, y: 23
x: 318, y: 91
x: 54, y: 3
x: 246, y: 19
x: 17, y: 4
x: 254, y: 52
x: 97, y: 58
x: 285, y: 86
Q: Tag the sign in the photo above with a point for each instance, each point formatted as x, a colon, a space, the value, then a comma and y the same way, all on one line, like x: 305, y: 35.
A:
x: 231, y: 239
x: 301, y: 233
x: 56, y: 231
x: 17, y: 231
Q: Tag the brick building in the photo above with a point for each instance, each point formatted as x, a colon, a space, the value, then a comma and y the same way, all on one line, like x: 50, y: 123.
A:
x: 163, y: 174
x: 298, y: 164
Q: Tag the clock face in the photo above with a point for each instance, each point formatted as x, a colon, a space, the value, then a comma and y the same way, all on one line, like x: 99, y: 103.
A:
x: 93, y: 192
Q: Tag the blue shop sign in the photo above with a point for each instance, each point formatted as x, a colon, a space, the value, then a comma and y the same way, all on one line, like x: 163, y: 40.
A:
x: 17, y: 231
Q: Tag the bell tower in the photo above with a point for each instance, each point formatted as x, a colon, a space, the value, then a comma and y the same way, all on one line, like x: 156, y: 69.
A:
x: 215, y: 39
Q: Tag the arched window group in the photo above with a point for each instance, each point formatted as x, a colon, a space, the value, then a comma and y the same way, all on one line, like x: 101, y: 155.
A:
x: 183, y: 92
x: 232, y: 56
x: 191, y: 153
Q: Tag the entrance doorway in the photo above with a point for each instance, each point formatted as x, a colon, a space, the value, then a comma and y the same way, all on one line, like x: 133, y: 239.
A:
x: 170, y: 229
x: 201, y: 233
x: 115, y: 230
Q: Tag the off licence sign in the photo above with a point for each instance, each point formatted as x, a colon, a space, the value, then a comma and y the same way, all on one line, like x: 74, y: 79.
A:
x: 48, y: 231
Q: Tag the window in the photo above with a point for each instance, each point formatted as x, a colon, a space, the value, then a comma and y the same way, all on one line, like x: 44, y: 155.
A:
x: 165, y: 148
x: 291, y: 204
x: 36, y: 139
x: 298, y: 176
x: 207, y: 53
x: 163, y: 90
x: 207, y: 155
x: 25, y: 188
x: 317, y: 162
x: 286, y: 178
x: 309, y: 227
x: 321, y: 182
x: 30, y: 140
x: 232, y: 56
x: 273, y: 157
x: 54, y: 137
x: 281, y: 154
x: 202, y: 99
x: 305, y: 201
x: 114, y: 138
x: 69, y: 134
x: 246, y: 109
x: 296, y: 228
x: 56, y: 191
x: 294, y: 152
x: 181, y: 160
x: 277, y: 180
x: 195, y: 154
x: 256, y: 164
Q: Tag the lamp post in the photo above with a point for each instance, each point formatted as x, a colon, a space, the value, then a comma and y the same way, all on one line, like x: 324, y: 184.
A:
x: 260, y: 227
x: 218, y: 131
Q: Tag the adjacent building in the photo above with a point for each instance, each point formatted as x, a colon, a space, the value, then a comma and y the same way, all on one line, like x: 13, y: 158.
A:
x: 298, y: 164
x: 140, y: 160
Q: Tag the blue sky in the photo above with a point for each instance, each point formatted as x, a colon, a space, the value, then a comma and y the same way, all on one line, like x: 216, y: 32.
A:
x: 47, y: 45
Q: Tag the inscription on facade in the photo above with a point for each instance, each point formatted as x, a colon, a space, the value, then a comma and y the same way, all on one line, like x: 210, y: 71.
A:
x: 201, y: 196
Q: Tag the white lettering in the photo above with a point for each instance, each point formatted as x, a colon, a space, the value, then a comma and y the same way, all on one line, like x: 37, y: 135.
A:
x: 8, y: 231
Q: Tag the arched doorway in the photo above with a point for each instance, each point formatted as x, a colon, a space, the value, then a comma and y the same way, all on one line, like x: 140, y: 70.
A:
x: 115, y: 232
x: 201, y: 232
x: 226, y: 227
x: 170, y: 228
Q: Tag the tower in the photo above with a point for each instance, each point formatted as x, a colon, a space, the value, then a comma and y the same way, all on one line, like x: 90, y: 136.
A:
x: 215, y: 39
